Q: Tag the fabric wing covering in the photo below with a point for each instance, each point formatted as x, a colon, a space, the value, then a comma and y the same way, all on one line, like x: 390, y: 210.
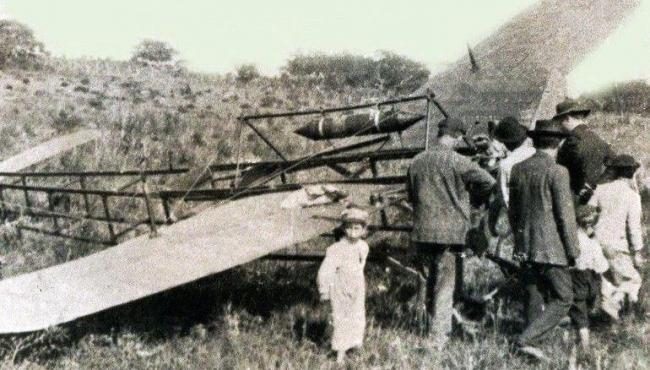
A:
x: 219, y: 238
x: 47, y: 150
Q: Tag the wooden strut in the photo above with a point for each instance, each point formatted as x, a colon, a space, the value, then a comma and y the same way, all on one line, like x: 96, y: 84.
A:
x: 375, y: 174
x: 147, y: 200
x: 428, y: 122
x: 3, y: 213
x: 28, y: 202
x: 240, y: 129
x: 125, y: 173
x: 247, y: 118
x: 270, y: 145
x: 325, y: 159
x: 107, y: 214
x: 82, y: 184
x: 55, y: 220
x: 337, y: 109
x: 71, y: 237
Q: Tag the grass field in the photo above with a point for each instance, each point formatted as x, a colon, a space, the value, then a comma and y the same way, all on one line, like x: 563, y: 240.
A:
x: 265, y: 314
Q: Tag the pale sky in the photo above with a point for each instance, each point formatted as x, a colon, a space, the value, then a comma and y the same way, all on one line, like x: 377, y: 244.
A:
x: 217, y: 35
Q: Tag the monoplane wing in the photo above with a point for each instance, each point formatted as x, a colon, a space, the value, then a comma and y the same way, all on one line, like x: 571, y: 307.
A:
x: 47, y: 150
x: 525, y: 62
x: 215, y: 240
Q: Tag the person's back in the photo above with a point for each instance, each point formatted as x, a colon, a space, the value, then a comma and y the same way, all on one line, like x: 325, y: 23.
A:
x: 619, y: 230
x: 584, y: 153
x: 540, y: 214
x: 619, y: 227
x: 438, y: 189
x: 439, y: 183
x: 542, y: 217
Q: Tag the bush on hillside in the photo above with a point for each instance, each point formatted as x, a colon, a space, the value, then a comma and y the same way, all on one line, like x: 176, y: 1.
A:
x: 153, y: 51
x: 65, y: 118
x: 247, y: 73
x: 391, y: 73
x: 400, y: 75
x: 335, y: 72
x: 18, y: 46
x: 629, y: 97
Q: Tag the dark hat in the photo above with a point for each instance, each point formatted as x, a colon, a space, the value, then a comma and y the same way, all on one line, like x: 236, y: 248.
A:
x: 547, y: 127
x: 452, y: 126
x: 509, y: 130
x: 622, y: 161
x: 570, y: 107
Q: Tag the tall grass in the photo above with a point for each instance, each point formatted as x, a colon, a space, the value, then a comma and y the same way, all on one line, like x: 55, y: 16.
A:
x: 264, y: 314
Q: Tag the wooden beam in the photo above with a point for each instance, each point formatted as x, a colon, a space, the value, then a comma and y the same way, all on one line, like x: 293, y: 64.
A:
x: 65, y: 236
x: 125, y: 173
x: 335, y: 109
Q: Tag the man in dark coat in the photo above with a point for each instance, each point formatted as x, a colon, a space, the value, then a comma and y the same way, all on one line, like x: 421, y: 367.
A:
x: 584, y: 153
x: 439, y: 185
x: 543, y: 219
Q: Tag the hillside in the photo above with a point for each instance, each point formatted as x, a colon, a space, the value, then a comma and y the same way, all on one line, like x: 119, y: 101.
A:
x: 149, y: 118
x: 264, y: 314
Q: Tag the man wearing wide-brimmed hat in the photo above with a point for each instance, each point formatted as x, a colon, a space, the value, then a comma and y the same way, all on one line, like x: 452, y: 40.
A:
x: 439, y: 185
x: 619, y: 229
x: 584, y: 153
x: 543, y: 219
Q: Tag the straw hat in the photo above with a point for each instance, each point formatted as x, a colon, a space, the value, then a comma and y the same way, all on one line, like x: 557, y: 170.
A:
x: 354, y: 215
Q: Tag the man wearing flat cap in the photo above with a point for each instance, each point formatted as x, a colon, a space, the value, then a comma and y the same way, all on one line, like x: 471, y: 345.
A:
x: 584, y: 153
x: 439, y: 185
x: 543, y: 220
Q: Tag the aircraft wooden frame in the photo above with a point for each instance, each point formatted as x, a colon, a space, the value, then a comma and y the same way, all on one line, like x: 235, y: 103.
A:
x: 492, y: 83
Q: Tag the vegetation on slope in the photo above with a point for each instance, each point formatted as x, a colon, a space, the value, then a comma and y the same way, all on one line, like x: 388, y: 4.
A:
x: 263, y: 315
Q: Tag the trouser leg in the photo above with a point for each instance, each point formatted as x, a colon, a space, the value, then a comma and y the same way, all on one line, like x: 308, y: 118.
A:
x: 534, y: 302
x: 556, y: 281
x: 582, y: 292
x: 625, y: 276
x: 443, y: 293
x: 426, y: 261
x: 458, y: 279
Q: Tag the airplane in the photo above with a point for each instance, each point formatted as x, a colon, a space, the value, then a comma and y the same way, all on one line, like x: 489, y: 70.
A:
x: 259, y: 208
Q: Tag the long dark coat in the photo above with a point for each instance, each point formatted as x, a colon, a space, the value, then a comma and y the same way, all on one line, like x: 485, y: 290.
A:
x: 584, y: 154
x: 541, y: 212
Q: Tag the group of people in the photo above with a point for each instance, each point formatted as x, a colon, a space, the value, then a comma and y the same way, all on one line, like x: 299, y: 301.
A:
x: 572, y: 211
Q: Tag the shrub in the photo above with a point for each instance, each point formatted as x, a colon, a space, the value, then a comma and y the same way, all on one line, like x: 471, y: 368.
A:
x: 18, y: 46
x: 335, y: 72
x: 153, y: 51
x: 247, y: 73
x: 65, y: 118
x: 400, y: 75
x: 391, y: 73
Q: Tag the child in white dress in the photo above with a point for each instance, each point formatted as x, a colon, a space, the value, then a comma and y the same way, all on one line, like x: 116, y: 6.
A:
x: 341, y: 281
